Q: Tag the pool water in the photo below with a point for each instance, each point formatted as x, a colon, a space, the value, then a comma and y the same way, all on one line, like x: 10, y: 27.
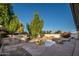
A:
x: 49, y: 43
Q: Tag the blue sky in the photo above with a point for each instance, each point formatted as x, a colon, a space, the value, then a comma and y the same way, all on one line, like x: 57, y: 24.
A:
x: 55, y: 16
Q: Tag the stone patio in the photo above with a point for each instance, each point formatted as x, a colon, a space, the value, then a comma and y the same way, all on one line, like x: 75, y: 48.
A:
x: 68, y: 48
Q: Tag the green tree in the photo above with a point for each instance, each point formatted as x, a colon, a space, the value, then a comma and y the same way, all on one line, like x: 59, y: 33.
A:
x: 35, y: 27
x: 20, y: 27
x: 8, y: 19
x: 58, y: 32
x: 28, y: 28
x: 6, y: 13
x: 12, y: 26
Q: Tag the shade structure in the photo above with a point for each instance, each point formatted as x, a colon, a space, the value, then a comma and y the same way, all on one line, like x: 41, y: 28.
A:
x: 75, y: 13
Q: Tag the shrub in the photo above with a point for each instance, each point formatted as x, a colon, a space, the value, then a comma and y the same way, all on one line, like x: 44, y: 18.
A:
x: 12, y: 26
x: 40, y: 42
x: 35, y: 27
x: 66, y: 34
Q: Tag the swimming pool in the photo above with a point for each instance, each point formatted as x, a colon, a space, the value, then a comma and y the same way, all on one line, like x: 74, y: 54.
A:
x: 49, y: 43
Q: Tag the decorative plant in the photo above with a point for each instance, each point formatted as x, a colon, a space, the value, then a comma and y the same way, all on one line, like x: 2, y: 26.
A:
x: 20, y: 28
x: 35, y: 27
x: 8, y: 19
x: 40, y: 42
x: 6, y: 13
x: 66, y: 34
x: 12, y: 26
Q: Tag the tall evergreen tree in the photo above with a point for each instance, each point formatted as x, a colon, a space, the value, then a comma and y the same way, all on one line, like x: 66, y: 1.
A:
x: 35, y: 27
x: 12, y: 26
x: 8, y: 19
x: 6, y: 13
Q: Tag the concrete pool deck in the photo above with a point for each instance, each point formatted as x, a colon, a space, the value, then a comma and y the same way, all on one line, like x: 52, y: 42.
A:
x: 70, y: 48
x: 65, y: 49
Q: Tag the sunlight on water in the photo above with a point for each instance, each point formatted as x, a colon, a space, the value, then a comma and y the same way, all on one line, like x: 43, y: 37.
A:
x: 49, y: 43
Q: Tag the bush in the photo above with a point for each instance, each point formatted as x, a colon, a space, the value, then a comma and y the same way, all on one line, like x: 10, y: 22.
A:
x: 35, y: 27
x: 40, y: 42
x: 58, y: 32
x: 66, y: 34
